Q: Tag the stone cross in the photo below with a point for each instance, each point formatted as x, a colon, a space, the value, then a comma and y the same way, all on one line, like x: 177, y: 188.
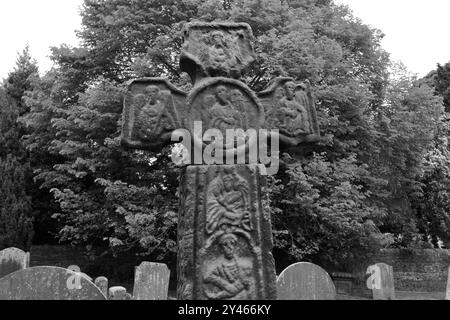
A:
x: 224, y: 233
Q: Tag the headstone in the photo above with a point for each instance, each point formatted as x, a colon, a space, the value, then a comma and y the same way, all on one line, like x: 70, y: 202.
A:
x: 117, y: 293
x: 13, y: 259
x: 48, y: 283
x: 343, y: 283
x: 381, y: 281
x: 447, y: 294
x: 305, y: 281
x: 151, y: 281
x: 225, y: 232
x: 102, y: 284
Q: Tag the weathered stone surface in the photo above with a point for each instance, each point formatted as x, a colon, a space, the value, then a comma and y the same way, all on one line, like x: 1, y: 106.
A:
x: 305, y: 281
x: 13, y: 259
x: 153, y: 109
x: 225, y: 235
x: 102, y: 284
x: 290, y: 108
x: 151, y: 281
x: 225, y: 240
x: 48, y: 283
x: 381, y: 281
x: 447, y: 294
x: 216, y: 49
x: 118, y: 293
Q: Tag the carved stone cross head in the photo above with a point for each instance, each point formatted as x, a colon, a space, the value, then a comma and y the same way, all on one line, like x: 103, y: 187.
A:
x: 215, y: 55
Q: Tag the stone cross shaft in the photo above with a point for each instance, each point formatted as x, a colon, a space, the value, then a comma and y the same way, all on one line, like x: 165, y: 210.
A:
x: 224, y: 233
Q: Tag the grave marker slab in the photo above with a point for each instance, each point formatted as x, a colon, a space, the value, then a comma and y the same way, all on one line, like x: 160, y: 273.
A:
x: 381, y: 281
x: 305, y: 281
x: 151, y: 281
x: 117, y: 293
x: 447, y: 294
x: 13, y: 259
x: 102, y: 284
x: 48, y: 283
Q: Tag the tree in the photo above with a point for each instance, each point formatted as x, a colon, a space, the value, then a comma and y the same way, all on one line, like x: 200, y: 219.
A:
x: 328, y: 213
x: 127, y: 200
x: 442, y: 83
x: 408, y: 124
x: 16, y: 229
x: 19, y: 80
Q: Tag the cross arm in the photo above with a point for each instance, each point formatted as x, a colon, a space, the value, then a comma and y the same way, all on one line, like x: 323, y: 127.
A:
x: 153, y: 109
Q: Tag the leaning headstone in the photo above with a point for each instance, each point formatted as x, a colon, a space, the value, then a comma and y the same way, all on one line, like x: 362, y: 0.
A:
x: 305, y: 281
x: 48, y: 283
x: 102, y: 284
x: 118, y: 293
x: 381, y: 281
x: 447, y: 295
x: 151, y: 281
x: 13, y: 259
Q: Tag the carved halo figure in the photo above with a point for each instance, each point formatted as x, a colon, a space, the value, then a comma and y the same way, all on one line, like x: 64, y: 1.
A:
x: 290, y: 108
x: 292, y: 114
x: 228, y: 206
x: 218, y: 52
x: 229, y: 277
x: 153, y: 119
x: 223, y: 113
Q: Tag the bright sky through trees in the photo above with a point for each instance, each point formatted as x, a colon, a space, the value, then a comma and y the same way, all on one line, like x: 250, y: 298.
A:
x: 416, y: 30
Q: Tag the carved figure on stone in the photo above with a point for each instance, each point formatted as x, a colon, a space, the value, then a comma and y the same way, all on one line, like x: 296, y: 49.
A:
x: 228, y: 207
x: 292, y: 112
x: 229, y: 277
x: 290, y: 108
x: 219, y: 51
x: 153, y: 118
x: 223, y: 113
x: 237, y: 99
x: 216, y: 49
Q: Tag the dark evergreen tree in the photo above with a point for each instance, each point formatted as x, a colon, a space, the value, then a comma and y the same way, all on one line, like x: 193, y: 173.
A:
x: 442, y: 83
x: 20, y: 79
x: 16, y: 229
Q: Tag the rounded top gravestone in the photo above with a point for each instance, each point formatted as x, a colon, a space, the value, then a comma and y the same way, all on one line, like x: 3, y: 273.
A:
x: 305, y: 281
x: 48, y: 283
x: 13, y: 259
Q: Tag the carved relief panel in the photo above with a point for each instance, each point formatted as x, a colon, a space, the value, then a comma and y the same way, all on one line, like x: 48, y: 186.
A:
x: 223, y: 212
x: 290, y: 108
x: 153, y: 109
x: 223, y: 104
x: 216, y: 49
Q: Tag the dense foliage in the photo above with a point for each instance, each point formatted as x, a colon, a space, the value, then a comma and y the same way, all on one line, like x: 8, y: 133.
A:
x: 16, y: 228
x: 379, y: 177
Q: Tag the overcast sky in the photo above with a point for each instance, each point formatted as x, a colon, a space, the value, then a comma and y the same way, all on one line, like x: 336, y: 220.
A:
x: 416, y: 30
